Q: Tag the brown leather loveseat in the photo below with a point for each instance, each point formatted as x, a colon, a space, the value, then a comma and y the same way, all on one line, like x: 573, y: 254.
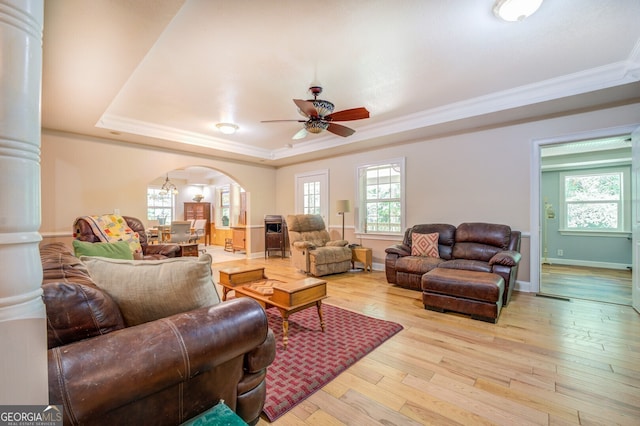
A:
x: 473, y: 270
x: 161, y: 372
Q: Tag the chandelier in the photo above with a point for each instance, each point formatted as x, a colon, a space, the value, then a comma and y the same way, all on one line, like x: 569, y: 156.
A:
x: 168, y: 187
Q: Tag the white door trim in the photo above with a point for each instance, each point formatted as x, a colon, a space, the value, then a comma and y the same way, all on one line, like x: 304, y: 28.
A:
x: 535, y: 200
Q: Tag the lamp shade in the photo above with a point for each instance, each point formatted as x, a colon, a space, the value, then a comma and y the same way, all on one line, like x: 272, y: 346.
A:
x: 343, y: 206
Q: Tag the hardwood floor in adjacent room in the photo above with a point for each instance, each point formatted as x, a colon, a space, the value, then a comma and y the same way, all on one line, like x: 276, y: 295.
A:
x: 581, y: 282
x: 546, y: 362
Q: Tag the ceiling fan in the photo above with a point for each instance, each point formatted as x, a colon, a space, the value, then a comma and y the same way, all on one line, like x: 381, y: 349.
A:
x: 320, y: 116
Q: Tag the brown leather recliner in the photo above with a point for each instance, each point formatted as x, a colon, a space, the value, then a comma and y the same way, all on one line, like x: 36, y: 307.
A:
x: 83, y: 232
x: 162, y: 372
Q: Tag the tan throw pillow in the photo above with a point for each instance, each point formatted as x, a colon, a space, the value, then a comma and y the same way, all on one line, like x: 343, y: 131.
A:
x: 146, y: 290
x: 424, y: 244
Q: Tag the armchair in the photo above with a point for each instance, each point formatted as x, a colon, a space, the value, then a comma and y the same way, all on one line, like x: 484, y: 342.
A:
x: 312, y: 250
x: 84, y: 231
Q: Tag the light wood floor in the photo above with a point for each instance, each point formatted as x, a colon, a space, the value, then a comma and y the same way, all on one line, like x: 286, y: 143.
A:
x: 546, y: 362
x: 579, y: 282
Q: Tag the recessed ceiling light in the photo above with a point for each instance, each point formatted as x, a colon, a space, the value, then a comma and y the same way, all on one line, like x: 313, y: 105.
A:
x: 515, y: 10
x: 227, y: 128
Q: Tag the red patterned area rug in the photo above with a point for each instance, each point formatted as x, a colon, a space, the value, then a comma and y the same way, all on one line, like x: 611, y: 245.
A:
x: 314, y: 358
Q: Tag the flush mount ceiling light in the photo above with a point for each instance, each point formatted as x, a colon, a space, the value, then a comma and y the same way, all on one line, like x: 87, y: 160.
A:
x: 227, y: 128
x: 515, y: 10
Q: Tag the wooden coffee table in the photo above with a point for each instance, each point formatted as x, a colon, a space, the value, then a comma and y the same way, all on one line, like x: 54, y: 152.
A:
x: 288, y: 298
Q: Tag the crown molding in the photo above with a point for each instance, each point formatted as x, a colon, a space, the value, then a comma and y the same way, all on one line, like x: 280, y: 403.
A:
x: 603, y: 77
x: 145, y: 128
x: 568, y: 85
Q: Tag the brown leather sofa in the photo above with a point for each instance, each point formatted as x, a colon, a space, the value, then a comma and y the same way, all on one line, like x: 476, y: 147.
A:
x: 83, y: 232
x: 162, y: 372
x: 483, y: 248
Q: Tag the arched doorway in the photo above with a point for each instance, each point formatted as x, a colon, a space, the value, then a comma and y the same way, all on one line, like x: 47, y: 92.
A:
x: 190, y: 191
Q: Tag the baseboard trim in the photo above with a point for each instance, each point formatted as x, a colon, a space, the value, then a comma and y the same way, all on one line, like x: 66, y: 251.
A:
x: 588, y: 263
x: 551, y: 296
x: 523, y: 286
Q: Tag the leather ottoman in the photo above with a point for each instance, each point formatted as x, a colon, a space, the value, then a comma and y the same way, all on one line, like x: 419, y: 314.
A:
x: 474, y: 293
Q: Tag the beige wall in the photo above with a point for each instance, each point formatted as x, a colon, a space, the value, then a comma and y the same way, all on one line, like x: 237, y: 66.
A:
x: 479, y: 176
x: 82, y: 175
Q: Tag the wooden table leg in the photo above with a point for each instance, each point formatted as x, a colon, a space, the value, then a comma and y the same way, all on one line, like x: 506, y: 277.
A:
x: 285, y: 327
x: 319, y: 306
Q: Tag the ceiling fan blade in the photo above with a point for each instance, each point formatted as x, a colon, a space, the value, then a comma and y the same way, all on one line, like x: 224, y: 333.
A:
x: 279, y: 121
x: 300, y: 135
x: 340, y: 130
x: 348, y: 114
x: 306, y: 107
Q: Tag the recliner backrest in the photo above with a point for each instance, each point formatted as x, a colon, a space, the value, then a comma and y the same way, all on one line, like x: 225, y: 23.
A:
x: 137, y: 226
x: 446, y: 236
x: 481, y: 241
x: 307, y: 227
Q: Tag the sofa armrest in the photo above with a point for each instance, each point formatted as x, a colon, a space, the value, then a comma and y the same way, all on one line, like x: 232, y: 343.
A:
x: 337, y: 243
x: 134, y: 363
x: 399, y: 249
x: 262, y: 356
x: 301, y: 245
x: 505, y: 258
x: 168, y: 250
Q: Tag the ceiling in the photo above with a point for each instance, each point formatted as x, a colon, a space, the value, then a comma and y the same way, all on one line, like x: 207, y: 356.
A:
x: 163, y: 72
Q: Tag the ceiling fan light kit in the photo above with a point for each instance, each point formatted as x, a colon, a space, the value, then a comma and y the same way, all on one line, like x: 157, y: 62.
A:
x: 320, y: 116
x: 515, y: 10
x: 315, y: 126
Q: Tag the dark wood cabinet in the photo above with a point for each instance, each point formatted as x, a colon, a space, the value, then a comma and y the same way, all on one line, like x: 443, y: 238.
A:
x: 194, y: 211
x: 276, y: 237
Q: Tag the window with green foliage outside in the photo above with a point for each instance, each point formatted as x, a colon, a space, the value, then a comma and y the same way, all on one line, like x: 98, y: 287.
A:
x: 159, y: 205
x: 380, y: 195
x: 311, y: 198
x: 595, y: 200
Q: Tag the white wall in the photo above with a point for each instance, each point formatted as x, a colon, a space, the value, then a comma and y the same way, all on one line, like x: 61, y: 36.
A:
x: 83, y: 175
x: 479, y: 176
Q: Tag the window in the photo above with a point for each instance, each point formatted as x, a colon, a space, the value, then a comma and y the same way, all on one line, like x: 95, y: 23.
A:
x: 159, y: 206
x: 225, y: 205
x: 312, y: 193
x: 311, y: 198
x: 595, y: 200
x: 381, y: 197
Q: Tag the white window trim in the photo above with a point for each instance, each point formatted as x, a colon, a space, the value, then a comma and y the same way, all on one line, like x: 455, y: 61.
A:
x: 625, y: 209
x: 358, y: 218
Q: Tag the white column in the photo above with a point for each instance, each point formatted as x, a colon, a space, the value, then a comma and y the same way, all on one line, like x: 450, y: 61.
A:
x: 23, y: 336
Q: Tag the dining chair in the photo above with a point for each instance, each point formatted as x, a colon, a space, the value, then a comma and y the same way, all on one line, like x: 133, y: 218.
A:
x: 180, y: 232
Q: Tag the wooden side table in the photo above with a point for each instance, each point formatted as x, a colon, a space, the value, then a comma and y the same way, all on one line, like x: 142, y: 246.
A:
x: 189, y: 250
x: 363, y: 255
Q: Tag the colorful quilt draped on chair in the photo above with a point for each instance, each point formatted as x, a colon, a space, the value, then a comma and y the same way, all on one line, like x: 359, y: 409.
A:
x: 110, y: 228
